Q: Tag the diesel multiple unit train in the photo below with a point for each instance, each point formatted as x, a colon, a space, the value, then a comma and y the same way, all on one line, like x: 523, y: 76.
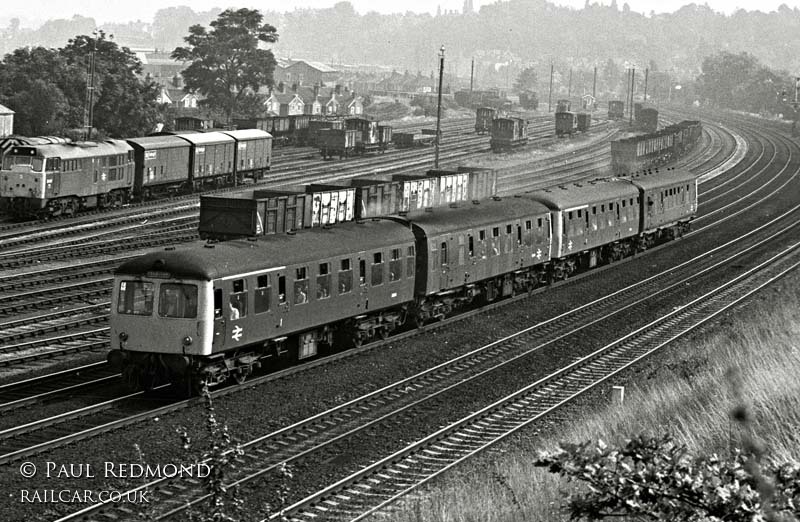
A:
x: 213, y: 311
x: 44, y: 177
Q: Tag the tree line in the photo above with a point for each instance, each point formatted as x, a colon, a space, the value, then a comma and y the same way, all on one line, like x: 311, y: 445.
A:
x: 47, y: 88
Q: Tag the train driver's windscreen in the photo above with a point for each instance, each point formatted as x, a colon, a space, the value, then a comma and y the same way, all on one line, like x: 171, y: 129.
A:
x: 135, y: 298
x: 34, y: 162
x: 177, y: 300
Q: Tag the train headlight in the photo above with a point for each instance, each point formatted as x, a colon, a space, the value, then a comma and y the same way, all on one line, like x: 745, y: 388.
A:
x: 187, y: 341
x: 123, y: 336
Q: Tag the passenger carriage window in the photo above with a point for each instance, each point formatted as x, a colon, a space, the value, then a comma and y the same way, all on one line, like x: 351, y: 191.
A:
x: 508, y: 229
x: 580, y: 213
x: 377, y: 269
x: 177, y: 300
x: 281, y: 290
x: 237, y: 304
x: 528, y: 225
x: 345, y: 277
x: 470, y: 245
x: 569, y: 215
x: 603, y: 208
x: 324, y: 281
x: 539, y: 222
x: 135, y: 298
x: 262, y: 294
x: 395, y: 265
x: 301, y: 286
x: 496, y: 232
x: 482, y: 235
x: 411, y: 260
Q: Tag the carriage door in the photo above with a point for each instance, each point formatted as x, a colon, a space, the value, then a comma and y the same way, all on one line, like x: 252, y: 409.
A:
x: 444, y: 261
x: 363, y: 283
x: 220, y: 321
x: 53, y: 177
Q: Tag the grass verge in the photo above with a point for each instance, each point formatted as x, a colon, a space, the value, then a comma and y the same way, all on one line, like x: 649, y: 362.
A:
x: 750, y: 359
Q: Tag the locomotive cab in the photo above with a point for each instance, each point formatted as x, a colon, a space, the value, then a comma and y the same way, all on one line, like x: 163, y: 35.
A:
x: 23, y: 174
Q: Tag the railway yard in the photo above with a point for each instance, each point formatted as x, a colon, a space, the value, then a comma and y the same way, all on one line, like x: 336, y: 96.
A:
x: 357, y: 432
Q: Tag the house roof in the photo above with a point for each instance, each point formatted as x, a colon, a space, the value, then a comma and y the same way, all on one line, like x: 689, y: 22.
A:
x: 5, y: 110
x: 177, y: 94
x: 321, y: 67
x: 285, y: 98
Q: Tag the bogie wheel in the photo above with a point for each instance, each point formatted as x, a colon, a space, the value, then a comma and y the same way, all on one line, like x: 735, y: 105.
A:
x: 240, y: 377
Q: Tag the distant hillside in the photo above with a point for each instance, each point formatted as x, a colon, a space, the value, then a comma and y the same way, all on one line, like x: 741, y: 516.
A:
x: 503, y: 37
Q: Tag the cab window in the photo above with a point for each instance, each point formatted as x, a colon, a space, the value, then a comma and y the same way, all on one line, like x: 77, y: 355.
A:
x: 135, y: 298
x: 177, y: 300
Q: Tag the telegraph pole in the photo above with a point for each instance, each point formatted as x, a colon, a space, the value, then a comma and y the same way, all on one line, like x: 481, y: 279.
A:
x: 471, y: 74
x: 439, y: 109
x: 88, y: 111
x: 633, y: 85
x: 646, y: 71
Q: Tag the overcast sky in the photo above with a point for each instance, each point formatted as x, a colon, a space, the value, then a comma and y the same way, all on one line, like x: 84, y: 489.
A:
x: 33, y: 12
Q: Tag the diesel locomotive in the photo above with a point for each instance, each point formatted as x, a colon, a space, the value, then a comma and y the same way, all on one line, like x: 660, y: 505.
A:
x: 43, y: 177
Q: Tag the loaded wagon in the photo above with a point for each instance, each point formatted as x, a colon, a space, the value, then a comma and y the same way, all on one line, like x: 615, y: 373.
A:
x: 265, y: 212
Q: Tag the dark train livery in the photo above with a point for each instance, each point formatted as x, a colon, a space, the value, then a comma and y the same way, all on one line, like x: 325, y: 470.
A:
x: 656, y: 148
x: 210, y: 312
x: 358, y: 136
x: 41, y: 179
x: 507, y: 133
x: 483, y: 119
x: 293, y: 129
x: 616, y: 109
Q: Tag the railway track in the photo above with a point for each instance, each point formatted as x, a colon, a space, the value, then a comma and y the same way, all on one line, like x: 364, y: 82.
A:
x: 410, y: 398
x: 40, y: 389
x: 649, y: 292
x: 387, y: 480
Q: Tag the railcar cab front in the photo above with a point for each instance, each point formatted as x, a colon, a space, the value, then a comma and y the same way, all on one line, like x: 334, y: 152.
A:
x: 160, y: 322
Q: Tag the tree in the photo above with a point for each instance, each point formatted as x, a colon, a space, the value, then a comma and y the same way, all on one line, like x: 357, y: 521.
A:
x: 527, y: 80
x: 226, y: 64
x: 123, y: 105
x: 657, y: 479
x: 32, y: 82
x: 739, y: 81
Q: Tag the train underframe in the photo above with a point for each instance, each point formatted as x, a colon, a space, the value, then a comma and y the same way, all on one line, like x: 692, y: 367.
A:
x: 505, y: 144
x: 27, y: 208
x: 141, y: 370
x: 200, y: 184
